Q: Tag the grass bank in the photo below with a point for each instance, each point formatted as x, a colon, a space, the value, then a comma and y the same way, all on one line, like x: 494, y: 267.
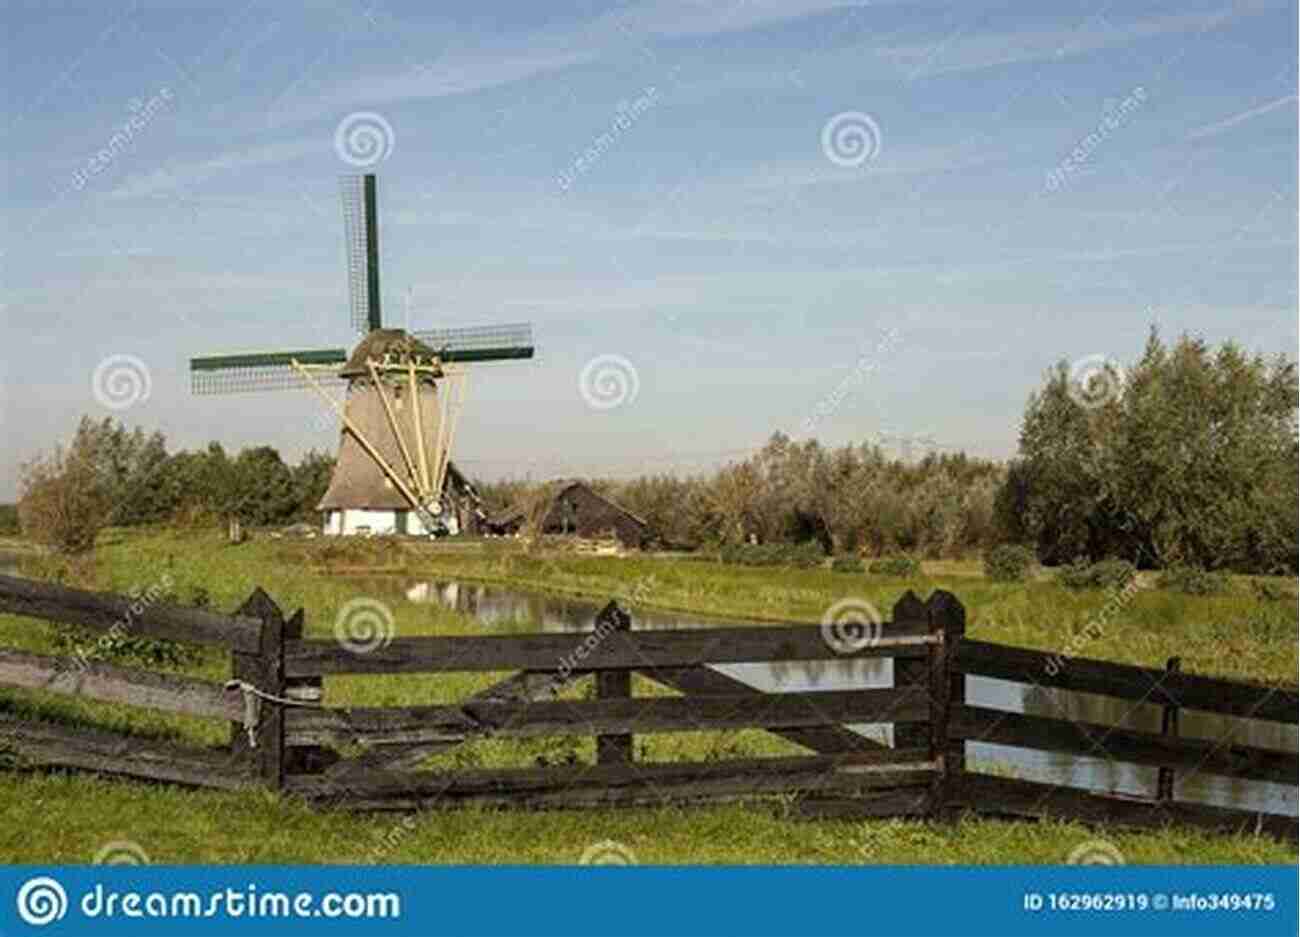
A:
x: 67, y: 818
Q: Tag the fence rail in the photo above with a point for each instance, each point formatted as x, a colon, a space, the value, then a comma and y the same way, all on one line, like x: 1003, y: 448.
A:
x: 280, y: 735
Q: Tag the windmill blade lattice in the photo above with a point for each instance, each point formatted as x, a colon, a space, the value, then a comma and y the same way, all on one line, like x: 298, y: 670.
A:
x: 235, y: 374
x: 480, y: 343
x: 361, y: 235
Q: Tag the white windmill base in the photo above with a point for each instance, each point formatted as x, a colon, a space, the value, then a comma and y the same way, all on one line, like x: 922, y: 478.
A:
x: 359, y: 522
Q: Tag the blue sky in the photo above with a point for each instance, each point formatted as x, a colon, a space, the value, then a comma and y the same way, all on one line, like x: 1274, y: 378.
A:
x: 1036, y: 181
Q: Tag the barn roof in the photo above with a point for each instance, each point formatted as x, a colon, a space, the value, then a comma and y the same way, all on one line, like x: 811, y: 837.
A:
x: 556, y: 489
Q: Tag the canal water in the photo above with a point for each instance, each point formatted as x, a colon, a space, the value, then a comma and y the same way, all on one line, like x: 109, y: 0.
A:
x: 509, y: 608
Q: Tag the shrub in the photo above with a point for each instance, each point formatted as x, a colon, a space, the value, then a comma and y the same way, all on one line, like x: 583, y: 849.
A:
x: 1106, y: 574
x: 1266, y: 591
x: 848, y: 563
x: 901, y: 565
x: 1192, y: 580
x: 1008, y: 562
x: 803, y: 555
x: 9, y: 519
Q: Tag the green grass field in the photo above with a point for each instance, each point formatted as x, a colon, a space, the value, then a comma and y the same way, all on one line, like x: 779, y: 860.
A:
x: 68, y: 818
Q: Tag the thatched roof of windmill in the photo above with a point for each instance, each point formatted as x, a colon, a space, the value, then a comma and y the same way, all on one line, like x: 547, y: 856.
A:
x: 380, y: 344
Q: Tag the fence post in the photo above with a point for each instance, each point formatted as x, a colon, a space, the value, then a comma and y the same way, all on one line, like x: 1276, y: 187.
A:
x: 947, y: 620
x: 613, y: 684
x: 304, y: 759
x: 1169, y: 727
x: 264, y: 752
x: 910, y: 672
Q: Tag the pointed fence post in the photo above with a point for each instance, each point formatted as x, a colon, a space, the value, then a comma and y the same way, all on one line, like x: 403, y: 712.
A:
x: 613, y: 684
x: 263, y: 752
x: 911, y: 672
x: 1168, y: 727
x: 947, y: 620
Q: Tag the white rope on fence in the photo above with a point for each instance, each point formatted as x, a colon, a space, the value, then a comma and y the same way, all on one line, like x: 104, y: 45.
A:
x: 253, y: 705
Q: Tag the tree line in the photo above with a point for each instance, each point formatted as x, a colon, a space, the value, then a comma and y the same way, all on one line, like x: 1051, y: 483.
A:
x: 1188, y: 457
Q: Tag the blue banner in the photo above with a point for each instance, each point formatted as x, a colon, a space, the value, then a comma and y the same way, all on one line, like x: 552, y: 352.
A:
x: 603, y: 901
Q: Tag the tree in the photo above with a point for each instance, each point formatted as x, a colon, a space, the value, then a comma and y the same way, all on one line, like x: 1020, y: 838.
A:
x: 1191, y: 459
x: 64, y: 497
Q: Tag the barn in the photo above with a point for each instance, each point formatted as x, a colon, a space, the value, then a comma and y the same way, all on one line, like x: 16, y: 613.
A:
x: 573, y: 507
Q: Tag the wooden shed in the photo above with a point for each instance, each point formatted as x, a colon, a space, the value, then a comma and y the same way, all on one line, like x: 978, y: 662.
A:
x: 573, y: 507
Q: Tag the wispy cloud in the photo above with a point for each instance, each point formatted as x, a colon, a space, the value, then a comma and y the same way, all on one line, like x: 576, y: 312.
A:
x: 181, y: 176
x: 969, y: 52
x: 1218, y: 127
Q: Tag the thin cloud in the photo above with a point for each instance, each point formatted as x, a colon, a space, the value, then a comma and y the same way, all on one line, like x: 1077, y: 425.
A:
x: 1211, y: 130
x: 184, y: 175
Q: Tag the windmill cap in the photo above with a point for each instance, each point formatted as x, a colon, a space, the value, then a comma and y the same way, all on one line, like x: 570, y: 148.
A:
x: 381, y: 344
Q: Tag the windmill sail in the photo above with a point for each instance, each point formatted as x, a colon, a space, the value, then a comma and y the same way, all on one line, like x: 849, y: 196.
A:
x: 234, y: 374
x: 361, y: 231
x: 480, y: 343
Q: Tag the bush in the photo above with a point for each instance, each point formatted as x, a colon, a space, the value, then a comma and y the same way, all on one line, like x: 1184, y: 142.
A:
x: 848, y: 563
x: 1192, y: 580
x: 895, y: 566
x: 802, y: 555
x: 1008, y: 562
x: 1266, y: 591
x: 9, y: 519
x: 1106, y: 574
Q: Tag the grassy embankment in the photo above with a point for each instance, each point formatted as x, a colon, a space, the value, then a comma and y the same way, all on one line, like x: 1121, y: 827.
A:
x: 68, y: 818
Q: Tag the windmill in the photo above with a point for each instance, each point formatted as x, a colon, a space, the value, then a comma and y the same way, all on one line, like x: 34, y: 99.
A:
x: 404, y: 394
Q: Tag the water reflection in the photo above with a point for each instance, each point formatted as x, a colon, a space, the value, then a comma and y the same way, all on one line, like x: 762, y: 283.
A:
x: 500, y: 606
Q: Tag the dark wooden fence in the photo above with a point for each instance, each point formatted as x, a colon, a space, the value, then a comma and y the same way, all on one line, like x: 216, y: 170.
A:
x: 281, y: 736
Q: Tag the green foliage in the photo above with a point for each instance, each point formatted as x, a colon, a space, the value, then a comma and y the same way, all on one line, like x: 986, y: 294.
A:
x: 9, y: 519
x: 1192, y: 580
x: 1008, y: 562
x: 1266, y: 591
x: 1105, y: 574
x: 847, y: 563
x: 1191, y: 458
x: 901, y: 565
x: 799, y: 555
